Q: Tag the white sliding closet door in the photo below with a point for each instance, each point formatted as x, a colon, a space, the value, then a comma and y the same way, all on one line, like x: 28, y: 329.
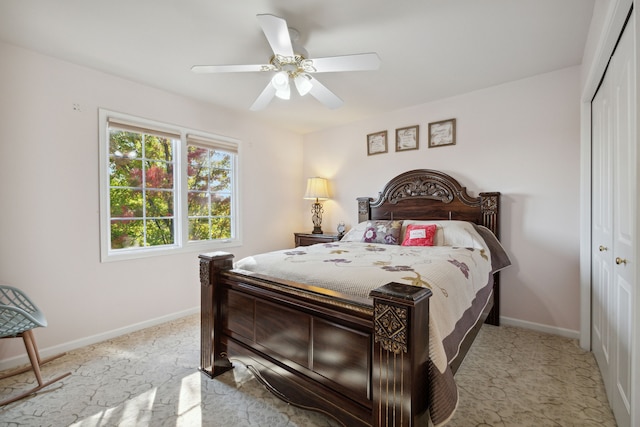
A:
x: 614, y: 186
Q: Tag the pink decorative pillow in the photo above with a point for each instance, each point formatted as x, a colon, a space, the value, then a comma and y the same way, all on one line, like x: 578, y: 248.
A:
x: 419, y: 235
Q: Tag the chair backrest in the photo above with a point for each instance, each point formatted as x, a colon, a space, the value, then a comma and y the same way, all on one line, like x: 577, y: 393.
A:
x: 17, y: 312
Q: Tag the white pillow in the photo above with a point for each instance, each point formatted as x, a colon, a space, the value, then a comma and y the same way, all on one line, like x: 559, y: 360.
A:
x: 356, y: 233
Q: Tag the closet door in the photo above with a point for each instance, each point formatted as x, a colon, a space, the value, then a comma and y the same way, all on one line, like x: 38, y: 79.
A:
x: 602, y: 227
x: 624, y: 211
x: 613, y: 226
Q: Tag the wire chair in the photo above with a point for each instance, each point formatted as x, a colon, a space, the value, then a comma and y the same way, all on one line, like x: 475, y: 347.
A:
x: 18, y: 317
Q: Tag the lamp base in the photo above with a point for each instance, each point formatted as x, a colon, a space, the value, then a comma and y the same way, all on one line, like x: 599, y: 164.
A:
x: 316, y: 210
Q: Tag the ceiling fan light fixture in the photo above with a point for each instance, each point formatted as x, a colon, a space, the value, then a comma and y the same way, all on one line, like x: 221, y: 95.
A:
x: 280, y: 83
x: 284, y: 94
x: 303, y: 84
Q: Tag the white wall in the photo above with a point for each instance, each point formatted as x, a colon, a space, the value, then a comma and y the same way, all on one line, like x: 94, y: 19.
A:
x: 49, y: 226
x: 520, y: 138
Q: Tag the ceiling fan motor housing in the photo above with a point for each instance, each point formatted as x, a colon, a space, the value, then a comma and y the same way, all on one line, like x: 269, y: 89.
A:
x: 293, y: 65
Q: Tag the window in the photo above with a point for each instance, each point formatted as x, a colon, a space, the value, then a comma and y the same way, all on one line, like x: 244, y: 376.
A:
x: 164, y: 188
x: 209, y: 190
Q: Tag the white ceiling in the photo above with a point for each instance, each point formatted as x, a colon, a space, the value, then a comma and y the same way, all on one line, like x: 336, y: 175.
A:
x: 430, y: 49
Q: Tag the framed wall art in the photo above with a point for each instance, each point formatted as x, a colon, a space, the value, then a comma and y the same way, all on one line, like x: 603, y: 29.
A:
x: 407, y: 138
x: 442, y: 133
x: 377, y: 143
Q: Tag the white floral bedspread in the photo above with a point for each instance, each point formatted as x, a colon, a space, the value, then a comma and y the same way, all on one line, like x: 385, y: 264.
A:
x: 460, y: 279
x: 454, y: 275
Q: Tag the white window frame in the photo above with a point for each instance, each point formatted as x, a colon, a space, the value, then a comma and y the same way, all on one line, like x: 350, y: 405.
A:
x: 182, y: 243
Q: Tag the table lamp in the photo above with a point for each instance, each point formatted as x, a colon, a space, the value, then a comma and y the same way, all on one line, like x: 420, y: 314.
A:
x: 316, y: 190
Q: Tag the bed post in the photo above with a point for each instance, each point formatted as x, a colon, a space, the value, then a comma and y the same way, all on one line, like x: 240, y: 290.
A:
x: 490, y: 206
x: 213, y: 358
x: 400, y: 355
x: 364, y: 208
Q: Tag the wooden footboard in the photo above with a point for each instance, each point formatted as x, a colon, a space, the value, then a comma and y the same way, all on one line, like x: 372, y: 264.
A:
x: 363, y: 365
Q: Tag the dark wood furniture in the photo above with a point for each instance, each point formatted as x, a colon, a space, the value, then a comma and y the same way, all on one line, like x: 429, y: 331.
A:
x: 364, y: 364
x: 307, y: 239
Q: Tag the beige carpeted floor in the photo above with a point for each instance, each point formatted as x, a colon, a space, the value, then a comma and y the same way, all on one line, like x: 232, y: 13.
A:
x: 511, y: 377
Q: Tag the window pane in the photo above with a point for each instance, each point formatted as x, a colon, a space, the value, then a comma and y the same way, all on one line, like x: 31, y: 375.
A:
x: 159, y: 203
x: 221, y: 159
x: 127, y: 234
x: 220, y: 180
x: 158, y: 174
x: 198, y: 182
x: 199, y: 229
x: 198, y: 204
x: 197, y: 155
x: 221, y: 205
x: 160, y: 232
x: 125, y: 172
x: 221, y: 228
x: 125, y: 144
x: 126, y: 203
x: 157, y: 148
x: 197, y: 168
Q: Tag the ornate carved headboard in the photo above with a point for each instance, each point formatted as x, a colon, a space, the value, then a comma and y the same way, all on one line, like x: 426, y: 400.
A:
x: 424, y: 194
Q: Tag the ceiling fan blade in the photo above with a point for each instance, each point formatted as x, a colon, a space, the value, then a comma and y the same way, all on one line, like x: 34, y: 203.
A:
x: 324, y: 95
x: 231, y: 68
x: 277, y: 33
x: 264, y: 98
x: 357, y: 62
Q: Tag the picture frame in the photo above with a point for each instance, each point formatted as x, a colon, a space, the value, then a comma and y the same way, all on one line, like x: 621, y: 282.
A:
x: 377, y: 143
x: 442, y: 133
x: 407, y: 138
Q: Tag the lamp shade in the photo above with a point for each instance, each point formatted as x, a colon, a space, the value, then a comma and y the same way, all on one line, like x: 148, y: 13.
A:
x: 316, y: 189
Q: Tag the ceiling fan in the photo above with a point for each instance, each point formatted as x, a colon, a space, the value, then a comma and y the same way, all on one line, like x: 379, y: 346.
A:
x: 291, y: 63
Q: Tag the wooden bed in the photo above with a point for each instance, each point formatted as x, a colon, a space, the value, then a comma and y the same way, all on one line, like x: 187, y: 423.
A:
x: 363, y: 364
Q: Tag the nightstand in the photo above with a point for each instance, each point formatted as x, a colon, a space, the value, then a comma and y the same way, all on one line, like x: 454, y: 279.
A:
x: 306, y: 239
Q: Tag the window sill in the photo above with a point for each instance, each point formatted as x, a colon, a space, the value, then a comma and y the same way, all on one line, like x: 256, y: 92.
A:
x: 191, y: 247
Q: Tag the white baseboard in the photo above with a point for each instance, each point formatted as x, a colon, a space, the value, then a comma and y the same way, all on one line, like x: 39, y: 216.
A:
x: 72, y: 345
x: 567, y: 333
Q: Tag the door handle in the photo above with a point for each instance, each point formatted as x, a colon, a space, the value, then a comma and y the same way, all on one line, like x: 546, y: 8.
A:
x: 602, y: 248
x: 621, y: 261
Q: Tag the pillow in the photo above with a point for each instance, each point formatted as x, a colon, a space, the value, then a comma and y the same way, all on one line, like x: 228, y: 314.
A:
x: 355, y: 234
x: 386, y: 232
x: 419, y: 235
x: 453, y: 233
x: 462, y: 234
